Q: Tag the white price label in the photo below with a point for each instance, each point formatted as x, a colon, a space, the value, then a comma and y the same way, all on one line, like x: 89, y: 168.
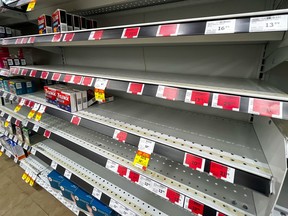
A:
x: 25, y: 147
x: 146, y: 145
x: 67, y: 174
x: 22, y: 102
x: 112, y: 166
x: 34, y: 176
x: 115, y: 205
x: 42, y: 109
x: 33, y: 151
x: 159, y: 189
x: 97, y: 193
x: 220, y: 27
x: 25, y: 122
x: 54, y: 165
x: 36, y: 107
x: 146, y: 183
x: 6, y: 133
x: 8, y: 154
x: 15, y: 159
x: 15, y: 139
x: 9, y: 118
x: 35, y: 128
x: 101, y: 83
x: 269, y: 23
x: 2, y: 149
x: 2, y: 114
x: 4, y: 95
x: 10, y: 136
x: 11, y: 97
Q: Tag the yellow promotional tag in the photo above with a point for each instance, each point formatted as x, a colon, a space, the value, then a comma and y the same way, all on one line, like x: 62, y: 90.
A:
x: 6, y: 124
x: 24, y: 176
x: 31, y: 5
x: 31, y: 183
x: 99, y: 95
x: 27, y: 180
x: 31, y: 114
x: 17, y: 108
x: 1, y: 153
x: 38, y: 116
x: 141, y: 161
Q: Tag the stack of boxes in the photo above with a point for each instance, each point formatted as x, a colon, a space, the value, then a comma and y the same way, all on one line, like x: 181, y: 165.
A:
x: 17, y: 86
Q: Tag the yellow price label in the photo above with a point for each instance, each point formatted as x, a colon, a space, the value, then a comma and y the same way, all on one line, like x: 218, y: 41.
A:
x: 31, y: 5
x: 1, y: 153
x: 99, y: 95
x: 31, y: 114
x: 17, y: 108
x: 38, y: 116
x: 31, y: 183
x: 27, y: 180
x: 141, y: 161
x: 6, y: 124
x: 24, y: 176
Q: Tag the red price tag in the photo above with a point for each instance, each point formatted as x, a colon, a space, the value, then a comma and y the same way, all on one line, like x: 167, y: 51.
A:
x: 194, y: 162
x: 47, y: 134
x: 168, y: 93
x: 68, y: 37
x: 31, y: 40
x: 227, y: 102
x: 122, y: 171
x: 173, y: 196
x: 168, y: 30
x: 96, y: 35
x: 30, y: 103
x: 222, y: 172
x: 67, y: 78
x: 134, y: 177
x: 266, y: 107
x: 77, y: 80
x: 76, y: 120
x: 197, y: 97
x: 220, y: 214
x: 18, y: 41
x: 24, y: 72
x: 44, y: 75
x: 87, y: 81
x: 135, y: 88
x: 57, y: 37
x: 56, y: 76
x: 120, y: 136
x: 129, y: 33
x: 24, y: 40
x: 17, y: 122
x: 33, y: 73
x: 195, y: 207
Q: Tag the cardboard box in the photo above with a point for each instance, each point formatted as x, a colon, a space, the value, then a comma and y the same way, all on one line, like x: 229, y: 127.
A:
x: 99, y: 209
x: 19, y: 134
x: 83, y: 199
x: 30, y: 86
x: 69, y: 22
x: 8, y: 32
x: 59, y: 19
x: 26, y: 135
x: 44, y: 24
x: 79, y: 100
x: 66, y: 99
x: 85, y: 99
x: 6, y: 85
x: 68, y: 189
x: 55, y: 179
x: 51, y: 93
x: 76, y: 22
x: 17, y: 87
x: 83, y: 24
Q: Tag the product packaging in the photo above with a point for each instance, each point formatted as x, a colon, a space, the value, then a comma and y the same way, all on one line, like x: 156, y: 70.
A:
x: 55, y: 179
x: 59, y: 19
x: 68, y: 189
x: 44, y: 24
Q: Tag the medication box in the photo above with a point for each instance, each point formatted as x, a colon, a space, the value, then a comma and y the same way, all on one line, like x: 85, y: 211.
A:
x: 76, y: 22
x: 51, y: 93
x: 44, y: 24
x: 69, y: 22
x: 99, y: 209
x: 59, y: 19
x: 68, y: 189
x: 66, y: 99
x: 30, y: 86
x: 17, y: 87
x: 83, y: 23
x: 55, y: 179
x: 83, y: 199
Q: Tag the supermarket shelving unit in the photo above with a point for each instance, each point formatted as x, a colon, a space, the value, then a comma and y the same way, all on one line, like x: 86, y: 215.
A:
x: 210, y: 92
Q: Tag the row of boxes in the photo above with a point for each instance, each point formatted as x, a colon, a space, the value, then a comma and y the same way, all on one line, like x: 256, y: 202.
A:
x: 69, y: 99
x: 8, y: 32
x: 12, y: 147
x: 17, y: 86
x: 62, y: 21
x: 73, y: 193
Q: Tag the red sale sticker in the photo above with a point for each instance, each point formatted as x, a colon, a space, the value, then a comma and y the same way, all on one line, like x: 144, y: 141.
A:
x: 17, y: 122
x: 168, y: 93
x: 120, y: 136
x: 194, y: 206
x: 87, y: 81
x: 96, y: 35
x: 135, y: 88
x: 168, y: 30
x: 67, y: 78
x: 33, y: 73
x: 57, y: 37
x: 56, y: 76
x: 47, y: 133
x: 134, y: 177
x: 30, y: 103
x: 31, y: 40
x: 24, y: 72
x: 197, y: 97
x: 77, y: 80
x: 44, y: 75
x: 220, y: 214
x: 68, y: 37
x: 122, y: 171
x: 129, y: 33
x: 227, y: 102
x: 173, y: 196
x: 24, y: 40
x: 194, y: 162
x: 223, y: 172
x: 18, y: 41
x: 266, y: 108
x: 75, y: 120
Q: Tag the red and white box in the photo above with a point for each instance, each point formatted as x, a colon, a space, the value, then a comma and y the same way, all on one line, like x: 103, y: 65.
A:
x: 79, y: 99
x: 59, y: 19
x: 66, y: 99
x: 51, y: 93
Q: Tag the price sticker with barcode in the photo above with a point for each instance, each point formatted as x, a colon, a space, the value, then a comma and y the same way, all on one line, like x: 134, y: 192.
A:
x: 101, y: 83
x: 97, y: 193
x: 146, y: 145
x: 67, y: 174
x: 15, y: 159
x: 220, y: 26
x: 35, y: 128
x: 33, y: 151
x: 269, y: 23
x: 26, y: 147
x: 54, y: 165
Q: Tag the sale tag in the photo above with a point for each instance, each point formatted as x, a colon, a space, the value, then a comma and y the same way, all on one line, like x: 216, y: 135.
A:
x: 96, y: 193
x: 168, y: 30
x: 31, y: 5
x: 31, y: 114
x: 38, y: 116
x: 167, y: 93
x: 194, y: 206
x: 220, y: 26
x: 24, y: 72
x: 87, y: 81
x: 135, y: 88
x: 31, y: 183
x: 223, y: 172
x: 141, y: 160
x: 129, y: 33
x: 33, y: 73
x: 122, y: 171
x: 75, y: 120
x: 44, y: 75
x: 27, y: 180
x: 31, y: 40
x: 17, y: 122
x: 24, y: 176
x: 101, y: 83
x: 175, y: 197
x: 146, y: 146
x: 269, y: 23
x: 24, y: 40
x: 96, y: 35
x: 77, y: 80
x: 12, y: 97
x: 67, y: 174
x: 47, y: 134
x: 15, y: 159
x: 194, y: 162
x: 57, y: 37
x: 68, y: 78
x: 25, y: 147
x: 99, y: 95
x: 133, y: 176
x: 4, y: 94
x: 18, y: 41
x: 8, y: 154
x: 120, y: 136
x: 266, y: 108
x: 56, y: 76
x: 68, y: 37
x: 227, y: 102
x: 220, y: 214
x: 29, y: 103
x: 197, y: 97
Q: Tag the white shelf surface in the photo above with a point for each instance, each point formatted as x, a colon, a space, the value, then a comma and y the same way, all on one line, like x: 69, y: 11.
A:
x: 237, y: 86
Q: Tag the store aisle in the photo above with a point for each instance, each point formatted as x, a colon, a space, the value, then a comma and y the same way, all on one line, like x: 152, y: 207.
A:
x: 18, y: 198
